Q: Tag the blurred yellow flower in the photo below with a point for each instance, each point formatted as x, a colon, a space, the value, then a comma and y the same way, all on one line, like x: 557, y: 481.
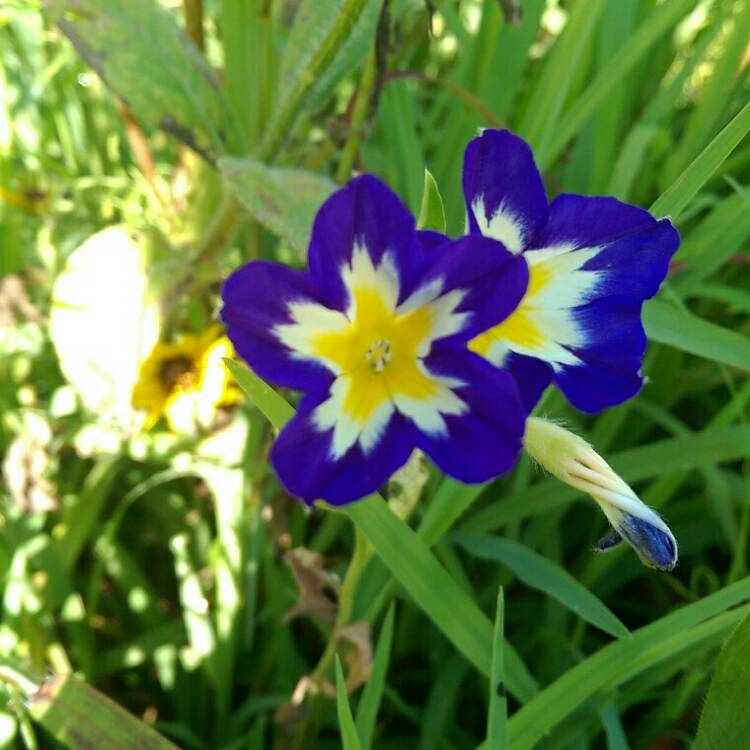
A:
x: 186, y: 381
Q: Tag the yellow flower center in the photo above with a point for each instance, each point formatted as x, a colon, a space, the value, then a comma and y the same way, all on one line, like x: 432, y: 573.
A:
x: 379, y: 353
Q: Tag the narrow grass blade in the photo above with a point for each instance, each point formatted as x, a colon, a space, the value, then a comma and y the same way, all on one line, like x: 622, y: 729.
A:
x: 79, y: 716
x: 673, y: 200
x: 497, y: 717
x: 618, y: 662
x: 668, y: 325
x: 275, y: 408
x: 542, y: 116
x: 445, y: 602
x: 717, y: 92
x: 543, y: 574
x: 349, y: 737
x: 662, y: 18
x: 367, y: 710
x: 725, y: 721
x: 616, y: 738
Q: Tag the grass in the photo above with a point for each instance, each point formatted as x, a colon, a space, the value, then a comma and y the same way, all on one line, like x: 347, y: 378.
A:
x: 155, y: 568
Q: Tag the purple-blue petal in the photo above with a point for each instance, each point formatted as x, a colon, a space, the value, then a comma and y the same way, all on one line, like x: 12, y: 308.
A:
x: 256, y: 298
x: 609, y: 372
x: 484, y: 441
x: 635, y: 247
x: 301, y: 457
x: 494, y: 281
x: 367, y: 212
x: 532, y: 376
x: 499, y: 166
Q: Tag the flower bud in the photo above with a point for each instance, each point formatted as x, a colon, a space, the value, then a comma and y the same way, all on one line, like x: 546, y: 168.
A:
x: 573, y: 461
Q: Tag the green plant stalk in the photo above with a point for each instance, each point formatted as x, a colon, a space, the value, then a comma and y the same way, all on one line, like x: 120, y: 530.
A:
x: 359, y: 116
x: 280, y: 127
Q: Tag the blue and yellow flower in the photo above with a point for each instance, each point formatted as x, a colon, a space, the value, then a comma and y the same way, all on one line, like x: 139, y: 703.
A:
x: 375, y: 334
x: 592, y: 263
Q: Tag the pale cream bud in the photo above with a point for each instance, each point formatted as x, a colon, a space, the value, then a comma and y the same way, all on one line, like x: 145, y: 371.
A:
x: 573, y: 461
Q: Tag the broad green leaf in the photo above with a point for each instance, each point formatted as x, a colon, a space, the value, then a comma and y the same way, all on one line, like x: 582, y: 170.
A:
x: 668, y: 325
x: 284, y: 200
x: 431, y: 213
x: 349, y: 737
x: 140, y: 52
x: 106, y: 317
x: 620, y: 661
x: 543, y: 574
x: 497, y: 716
x: 367, y: 710
x: 725, y: 721
x: 329, y: 39
x: 661, y: 20
x: 674, y: 200
x: 410, y: 561
x: 81, y: 717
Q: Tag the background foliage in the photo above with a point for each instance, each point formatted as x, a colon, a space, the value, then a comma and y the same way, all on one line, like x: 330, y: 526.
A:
x: 168, y: 570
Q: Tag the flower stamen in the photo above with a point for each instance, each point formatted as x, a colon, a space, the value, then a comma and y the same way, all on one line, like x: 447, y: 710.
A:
x: 378, y: 355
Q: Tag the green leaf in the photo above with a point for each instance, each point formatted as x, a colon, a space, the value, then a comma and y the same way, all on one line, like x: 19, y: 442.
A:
x: 284, y: 200
x: 106, y: 316
x: 620, y: 661
x: 349, y: 737
x: 140, y: 52
x: 497, y: 716
x: 543, y: 574
x: 668, y: 325
x: 81, y: 717
x: 432, y: 212
x: 367, y: 710
x: 725, y: 721
x: 673, y: 200
x: 329, y: 39
x: 410, y: 560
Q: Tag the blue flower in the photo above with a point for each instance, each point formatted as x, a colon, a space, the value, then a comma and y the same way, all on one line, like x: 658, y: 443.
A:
x: 592, y: 263
x: 375, y: 334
